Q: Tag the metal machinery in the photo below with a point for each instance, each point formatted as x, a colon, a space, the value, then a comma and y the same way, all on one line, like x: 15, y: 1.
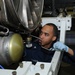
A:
x: 21, y: 17
x: 17, y: 17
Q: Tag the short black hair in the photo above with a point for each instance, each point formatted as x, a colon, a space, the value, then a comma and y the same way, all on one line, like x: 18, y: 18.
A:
x: 54, y: 28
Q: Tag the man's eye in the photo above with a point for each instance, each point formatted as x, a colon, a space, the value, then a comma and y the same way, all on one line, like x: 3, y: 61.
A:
x: 46, y: 34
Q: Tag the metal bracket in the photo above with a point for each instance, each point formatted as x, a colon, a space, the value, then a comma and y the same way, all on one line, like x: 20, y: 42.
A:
x: 63, y: 24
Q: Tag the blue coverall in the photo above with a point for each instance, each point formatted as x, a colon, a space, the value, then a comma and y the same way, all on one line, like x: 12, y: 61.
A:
x: 37, y: 53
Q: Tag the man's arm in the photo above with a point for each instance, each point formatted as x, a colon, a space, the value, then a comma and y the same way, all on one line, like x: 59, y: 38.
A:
x: 70, y: 51
x: 70, y: 57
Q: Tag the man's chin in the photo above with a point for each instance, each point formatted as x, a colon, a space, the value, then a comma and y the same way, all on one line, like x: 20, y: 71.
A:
x: 41, y: 44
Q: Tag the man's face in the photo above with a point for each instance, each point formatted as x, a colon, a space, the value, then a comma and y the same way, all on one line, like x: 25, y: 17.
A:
x: 46, y: 36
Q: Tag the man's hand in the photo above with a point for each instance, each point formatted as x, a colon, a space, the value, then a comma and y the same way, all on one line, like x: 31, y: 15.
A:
x: 60, y: 46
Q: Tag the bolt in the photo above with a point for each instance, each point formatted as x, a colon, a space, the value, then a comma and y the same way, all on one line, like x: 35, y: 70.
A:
x: 37, y: 74
x: 21, y: 65
x: 68, y: 20
x: 42, y: 66
x: 58, y: 20
x: 14, y: 73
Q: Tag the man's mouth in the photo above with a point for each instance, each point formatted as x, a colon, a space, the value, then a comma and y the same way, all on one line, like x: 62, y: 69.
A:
x: 40, y: 41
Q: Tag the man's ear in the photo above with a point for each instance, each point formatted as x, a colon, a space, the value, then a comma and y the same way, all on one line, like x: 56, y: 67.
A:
x: 54, y: 38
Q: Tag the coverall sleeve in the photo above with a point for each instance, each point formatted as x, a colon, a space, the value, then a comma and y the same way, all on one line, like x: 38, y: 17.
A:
x: 69, y: 58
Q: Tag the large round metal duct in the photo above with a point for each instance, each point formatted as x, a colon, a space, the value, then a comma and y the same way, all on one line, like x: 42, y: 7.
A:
x: 11, y: 49
x: 23, y: 15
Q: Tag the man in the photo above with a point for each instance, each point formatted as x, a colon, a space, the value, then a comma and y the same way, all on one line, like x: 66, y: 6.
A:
x: 43, y: 50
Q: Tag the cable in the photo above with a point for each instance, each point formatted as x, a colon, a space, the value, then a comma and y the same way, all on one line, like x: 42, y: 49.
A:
x: 35, y: 36
x: 51, y: 49
x: 1, y: 67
